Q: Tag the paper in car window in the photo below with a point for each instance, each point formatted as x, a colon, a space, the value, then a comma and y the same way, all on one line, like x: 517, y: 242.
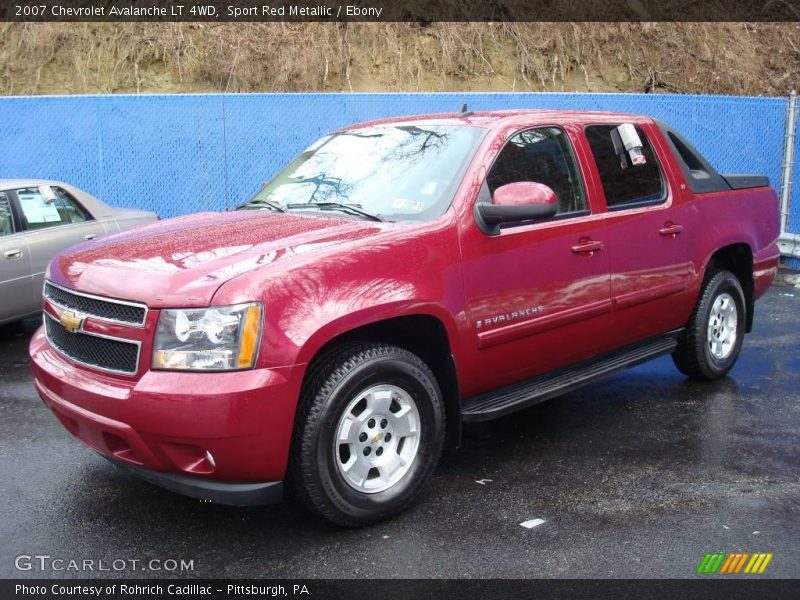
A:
x: 413, y: 205
x: 637, y: 158
x: 35, y: 208
x: 47, y: 193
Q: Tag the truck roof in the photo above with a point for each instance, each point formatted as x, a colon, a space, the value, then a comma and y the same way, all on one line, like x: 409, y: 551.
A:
x: 494, y: 118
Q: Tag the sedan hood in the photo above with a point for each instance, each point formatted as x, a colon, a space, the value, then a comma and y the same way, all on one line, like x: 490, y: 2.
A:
x: 183, y: 261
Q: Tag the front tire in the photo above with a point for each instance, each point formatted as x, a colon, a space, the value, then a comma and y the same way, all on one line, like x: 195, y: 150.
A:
x: 713, y: 337
x: 370, y: 430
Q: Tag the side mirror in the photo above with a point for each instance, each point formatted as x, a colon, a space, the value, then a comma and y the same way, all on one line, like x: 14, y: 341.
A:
x: 514, y: 202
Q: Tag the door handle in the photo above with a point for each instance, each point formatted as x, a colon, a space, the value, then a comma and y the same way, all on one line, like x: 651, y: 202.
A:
x: 587, y: 247
x: 15, y: 253
x: 670, y: 229
x: 90, y: 236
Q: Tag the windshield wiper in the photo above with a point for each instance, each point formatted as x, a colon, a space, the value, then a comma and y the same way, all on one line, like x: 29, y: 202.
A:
x: 340, y: 206
x: 266, y: 203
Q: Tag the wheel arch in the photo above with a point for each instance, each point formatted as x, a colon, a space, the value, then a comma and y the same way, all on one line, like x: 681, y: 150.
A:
x: 737, y: 258
x: 421, y: 332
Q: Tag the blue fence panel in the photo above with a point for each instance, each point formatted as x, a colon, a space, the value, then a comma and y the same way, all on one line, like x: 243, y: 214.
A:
x: 54, y: 138
x: 162, y: 153
x: 177, y: 154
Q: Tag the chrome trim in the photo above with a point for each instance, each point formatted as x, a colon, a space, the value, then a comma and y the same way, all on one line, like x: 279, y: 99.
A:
x: 81, y: 330
x: 99, y: 298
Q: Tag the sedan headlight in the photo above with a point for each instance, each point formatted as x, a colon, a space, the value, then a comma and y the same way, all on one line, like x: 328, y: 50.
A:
x: 220, y: 338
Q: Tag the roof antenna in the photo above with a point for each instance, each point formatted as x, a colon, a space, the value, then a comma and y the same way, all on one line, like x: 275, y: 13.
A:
x: 465, y: 112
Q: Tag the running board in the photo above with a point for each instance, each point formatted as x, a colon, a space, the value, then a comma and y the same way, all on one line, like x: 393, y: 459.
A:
x: 510, y: 398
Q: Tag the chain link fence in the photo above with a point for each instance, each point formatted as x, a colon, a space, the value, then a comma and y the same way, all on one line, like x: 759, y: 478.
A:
x: 177, y: 154
x: 793, y: 217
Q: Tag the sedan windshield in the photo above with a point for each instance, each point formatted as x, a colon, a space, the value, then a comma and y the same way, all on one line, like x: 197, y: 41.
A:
x: 397, y: 172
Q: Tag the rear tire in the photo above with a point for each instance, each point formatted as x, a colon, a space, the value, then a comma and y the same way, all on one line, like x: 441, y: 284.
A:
x: 710, y: 345
x: 370, y: 430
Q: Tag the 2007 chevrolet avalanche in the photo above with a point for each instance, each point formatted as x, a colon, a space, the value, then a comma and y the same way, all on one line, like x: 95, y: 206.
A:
x: 398, y: 278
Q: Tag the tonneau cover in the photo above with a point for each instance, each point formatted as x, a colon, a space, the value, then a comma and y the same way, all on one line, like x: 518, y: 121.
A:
x: 740, y: 181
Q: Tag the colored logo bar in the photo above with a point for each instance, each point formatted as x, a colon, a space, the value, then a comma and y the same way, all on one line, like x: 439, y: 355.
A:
x: 731, y: 563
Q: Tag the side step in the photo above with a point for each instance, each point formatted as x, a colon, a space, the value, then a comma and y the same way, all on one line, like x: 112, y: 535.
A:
x: 505, y: 400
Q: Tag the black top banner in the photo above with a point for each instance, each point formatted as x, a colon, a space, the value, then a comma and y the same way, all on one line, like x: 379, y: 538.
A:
x: 420, y: 11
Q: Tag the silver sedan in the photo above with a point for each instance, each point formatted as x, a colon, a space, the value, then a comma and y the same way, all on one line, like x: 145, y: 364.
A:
x: 38, y: 219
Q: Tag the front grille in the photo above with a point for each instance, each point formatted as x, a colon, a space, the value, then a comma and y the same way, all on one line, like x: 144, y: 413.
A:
x: 102, y: 353
x: 110, y: 310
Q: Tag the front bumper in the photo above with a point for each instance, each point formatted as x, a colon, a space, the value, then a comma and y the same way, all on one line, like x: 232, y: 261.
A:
x: 208, y: 435
x: 219, y: 492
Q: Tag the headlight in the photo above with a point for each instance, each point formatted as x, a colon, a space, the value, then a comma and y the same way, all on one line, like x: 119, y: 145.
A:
x: 220, y: 338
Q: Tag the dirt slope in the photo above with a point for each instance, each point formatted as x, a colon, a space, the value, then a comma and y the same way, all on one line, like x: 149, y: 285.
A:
x: 718, y: 58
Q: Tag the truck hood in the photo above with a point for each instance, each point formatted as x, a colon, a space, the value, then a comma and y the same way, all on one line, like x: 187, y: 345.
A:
x: 183, y: 261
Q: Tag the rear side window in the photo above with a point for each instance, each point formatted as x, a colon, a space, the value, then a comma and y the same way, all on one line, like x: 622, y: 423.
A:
x: 624, y: 184
x: 72, y: 208
x: 6, y: 220
x: 699, y: 173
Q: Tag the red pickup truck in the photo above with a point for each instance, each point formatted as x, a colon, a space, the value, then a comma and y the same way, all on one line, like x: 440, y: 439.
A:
x: 397, y: 279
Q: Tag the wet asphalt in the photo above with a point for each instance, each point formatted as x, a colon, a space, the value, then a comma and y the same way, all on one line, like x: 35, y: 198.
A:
x: 637, y: 476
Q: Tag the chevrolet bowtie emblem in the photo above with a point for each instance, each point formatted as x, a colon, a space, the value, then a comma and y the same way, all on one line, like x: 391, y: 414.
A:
x: 70, y: 321
x: 377, y: 438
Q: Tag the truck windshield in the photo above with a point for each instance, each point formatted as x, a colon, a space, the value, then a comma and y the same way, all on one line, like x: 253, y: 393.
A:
x: 393, y: 172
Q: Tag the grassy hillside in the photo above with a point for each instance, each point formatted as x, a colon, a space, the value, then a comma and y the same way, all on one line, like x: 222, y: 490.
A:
x: 718, y: 58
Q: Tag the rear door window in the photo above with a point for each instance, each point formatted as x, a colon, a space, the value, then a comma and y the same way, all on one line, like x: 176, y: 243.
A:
x: 626, y: 185
x: 72, y: 208
x: 6, y: 218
